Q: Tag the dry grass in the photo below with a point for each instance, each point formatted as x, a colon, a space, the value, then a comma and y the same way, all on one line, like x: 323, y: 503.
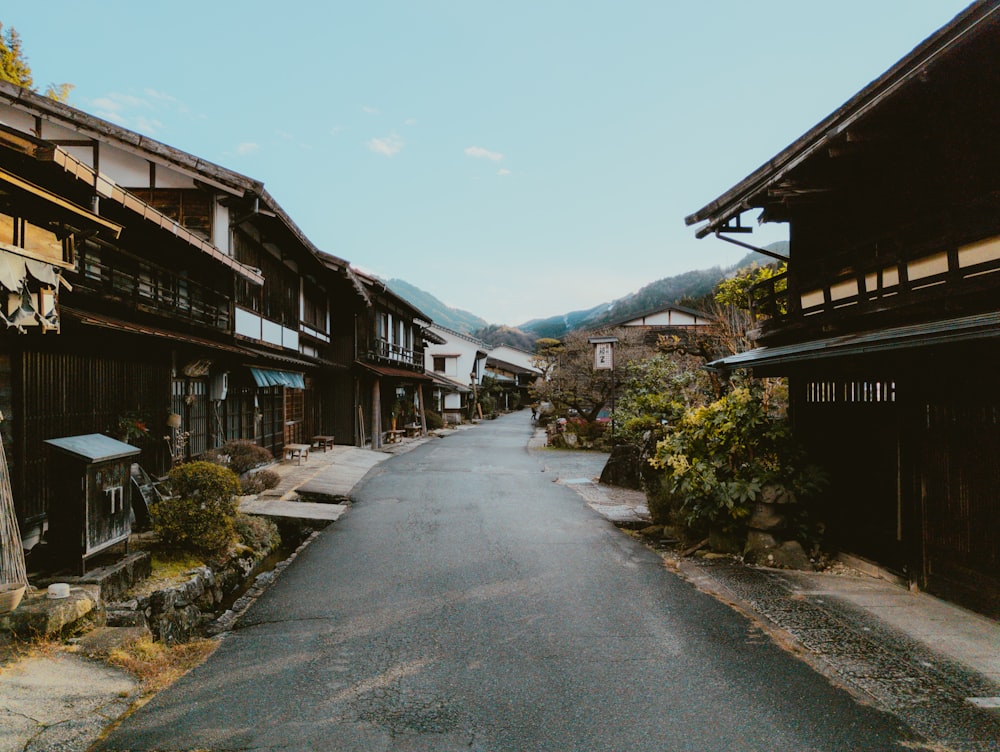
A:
x: 158, y: 665
x: 13, y: 650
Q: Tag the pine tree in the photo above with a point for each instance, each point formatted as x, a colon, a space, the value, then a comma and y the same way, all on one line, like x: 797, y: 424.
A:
x: 13, y: 64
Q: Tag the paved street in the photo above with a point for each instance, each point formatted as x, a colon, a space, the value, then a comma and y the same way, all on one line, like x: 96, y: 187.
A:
x: 468, y: 602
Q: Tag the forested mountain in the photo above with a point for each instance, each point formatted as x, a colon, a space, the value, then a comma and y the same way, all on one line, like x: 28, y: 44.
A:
x: 448, y: 317
x: 690, y: 289
x: 497, y: 334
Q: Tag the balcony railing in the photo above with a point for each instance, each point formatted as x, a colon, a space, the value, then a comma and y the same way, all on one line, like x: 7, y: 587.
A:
x: 383, y: 351
x: 880, y: 284
x: 145, y: 286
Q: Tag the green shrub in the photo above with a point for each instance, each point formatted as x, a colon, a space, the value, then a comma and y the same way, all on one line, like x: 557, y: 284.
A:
x: 718, y: 458
x: 257, y: 533
x: 258, y: 482
x: 434, y: 420
x: 239, y: 456
x: 199, y: 516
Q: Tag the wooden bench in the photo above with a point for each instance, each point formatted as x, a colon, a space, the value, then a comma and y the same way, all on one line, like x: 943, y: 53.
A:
x: 412, y: 429
x: 322, y: 442
x: 391, y: 437
x: 297, y: 452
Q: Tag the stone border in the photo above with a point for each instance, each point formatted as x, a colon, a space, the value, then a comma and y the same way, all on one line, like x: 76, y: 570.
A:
x: 228, y: 619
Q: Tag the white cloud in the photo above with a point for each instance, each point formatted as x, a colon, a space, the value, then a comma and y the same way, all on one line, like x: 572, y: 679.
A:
x: 369, y: 110
x: 134, y: 112
x: 503, y: 171
x: 479, y: 152
x: 247, y: 147
x: 410, y: 121
x: 388, y: 146
x: 160, y: 96
x: 147, y: 125
x: 337, y: 129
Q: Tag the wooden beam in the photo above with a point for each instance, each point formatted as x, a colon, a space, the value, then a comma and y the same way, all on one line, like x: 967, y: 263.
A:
x: 59, y: 201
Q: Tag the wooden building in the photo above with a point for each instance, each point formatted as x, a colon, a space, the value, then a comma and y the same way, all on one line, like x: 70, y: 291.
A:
x: 150, y: 294
x: 391, y: 336
x: 887, y: 322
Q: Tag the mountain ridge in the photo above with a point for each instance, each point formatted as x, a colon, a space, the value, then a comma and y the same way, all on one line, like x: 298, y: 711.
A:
x: 686, y: 289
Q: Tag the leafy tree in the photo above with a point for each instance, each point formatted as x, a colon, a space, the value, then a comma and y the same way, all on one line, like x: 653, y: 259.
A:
x: 737, y: 291
x: 572, y: 380
x: 546, y: 355
x: 656, y: 393
x: 14, y: 66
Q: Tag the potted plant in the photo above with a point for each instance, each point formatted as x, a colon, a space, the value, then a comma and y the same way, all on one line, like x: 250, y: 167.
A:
x: 130, y: 428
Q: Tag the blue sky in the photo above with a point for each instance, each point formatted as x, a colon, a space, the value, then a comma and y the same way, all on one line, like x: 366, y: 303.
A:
x: 518, y: 159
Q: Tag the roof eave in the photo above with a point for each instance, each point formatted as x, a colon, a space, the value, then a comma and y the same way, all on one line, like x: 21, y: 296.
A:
x: 743, y: 196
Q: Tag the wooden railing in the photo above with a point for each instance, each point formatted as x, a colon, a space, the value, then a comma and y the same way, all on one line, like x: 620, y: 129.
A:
x: 146, y: 286
x: 882, y: 283
x: 381, y: 350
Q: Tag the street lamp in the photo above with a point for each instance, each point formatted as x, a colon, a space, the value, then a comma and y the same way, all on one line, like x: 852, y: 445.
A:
x: 604, y: 360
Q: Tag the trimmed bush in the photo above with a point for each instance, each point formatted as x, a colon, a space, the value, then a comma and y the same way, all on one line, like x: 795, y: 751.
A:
x: 239, y: 456
x: 258, y: 482
x: 257, y: 533
x: 199, y: 516
x: 434, y: 420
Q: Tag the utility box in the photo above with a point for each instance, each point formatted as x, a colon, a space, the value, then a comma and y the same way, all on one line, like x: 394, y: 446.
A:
x: 90, y: 505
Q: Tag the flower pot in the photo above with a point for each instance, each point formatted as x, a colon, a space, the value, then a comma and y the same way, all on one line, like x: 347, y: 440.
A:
x: 10, y: 596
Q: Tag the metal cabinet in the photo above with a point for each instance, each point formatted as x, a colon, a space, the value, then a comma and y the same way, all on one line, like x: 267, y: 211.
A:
x: 90, y: 508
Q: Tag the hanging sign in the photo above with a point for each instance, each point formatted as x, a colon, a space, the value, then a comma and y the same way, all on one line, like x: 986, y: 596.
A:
x: 604, y: 356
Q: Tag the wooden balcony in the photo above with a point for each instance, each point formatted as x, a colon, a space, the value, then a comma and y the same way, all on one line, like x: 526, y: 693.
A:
x: 885, y: 284
x: 144, y: 286
x: 383, y: 351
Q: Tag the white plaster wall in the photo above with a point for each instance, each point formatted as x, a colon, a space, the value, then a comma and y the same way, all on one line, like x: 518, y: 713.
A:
x: 54, y: 131
x: 270, y: 332
x: 126, y: 169
x: 247, y: 323
x: 15, y: 118
x: 221, y: 237
x: 666, y: 318
x: 466, y: 351
x: 513, y: 355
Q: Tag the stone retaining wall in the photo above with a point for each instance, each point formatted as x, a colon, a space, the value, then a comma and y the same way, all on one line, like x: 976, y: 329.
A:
x: 180, y: 612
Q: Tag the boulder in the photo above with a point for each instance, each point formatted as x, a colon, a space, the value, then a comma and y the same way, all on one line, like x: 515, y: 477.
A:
x: 768, y: 517
x: 777, y: 495
x: 624, y: 467
x: 786, y: 555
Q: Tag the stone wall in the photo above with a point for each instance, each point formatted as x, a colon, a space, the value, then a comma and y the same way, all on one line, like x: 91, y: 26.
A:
x: 180, y: 612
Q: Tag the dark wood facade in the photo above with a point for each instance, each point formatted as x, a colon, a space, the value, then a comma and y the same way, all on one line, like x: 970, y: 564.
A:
x: 389, y: 367
x: 887, y: 321
x: 204, y: 306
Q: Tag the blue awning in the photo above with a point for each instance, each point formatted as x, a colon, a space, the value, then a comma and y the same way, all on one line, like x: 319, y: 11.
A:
x: 270, y: 377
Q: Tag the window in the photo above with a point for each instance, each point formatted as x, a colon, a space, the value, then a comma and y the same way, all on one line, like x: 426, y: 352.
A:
x: 314, y: 307
x: 440, y: 363
x: 278, y: 298
x: 192, y: 209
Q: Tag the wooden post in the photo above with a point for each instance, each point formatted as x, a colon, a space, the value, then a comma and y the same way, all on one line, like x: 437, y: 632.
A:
x: 423, y: 415
x: 377, y: 414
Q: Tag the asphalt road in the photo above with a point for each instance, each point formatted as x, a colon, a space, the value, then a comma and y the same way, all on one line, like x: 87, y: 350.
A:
x: 468, y: 602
